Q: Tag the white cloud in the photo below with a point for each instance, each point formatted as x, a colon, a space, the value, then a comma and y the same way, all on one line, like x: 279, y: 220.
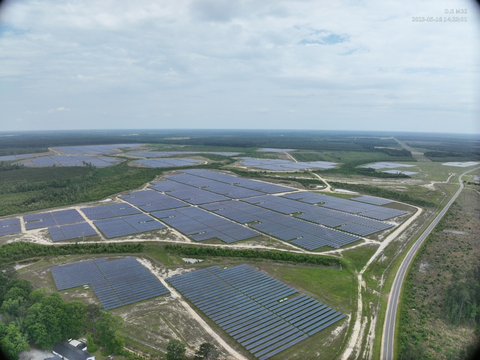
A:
x: 359, y: 65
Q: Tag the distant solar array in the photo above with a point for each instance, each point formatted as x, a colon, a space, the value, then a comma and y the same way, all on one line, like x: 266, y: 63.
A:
x: 349, y: 206
x: 190, y: 194
x: 284, y: 227
x: 400, y: 172
x: 67, y: 160
x: 202, y: 225
x: 127, y: 225
x: 116, y: 282
x: 109, y: 211
x: 17, y: 157
x: 274, y: 150
x: 245, y: 303
x: 10, y: 226
x: 357, y: 224
x: 461, y: 164
x: 47, y: 219
x: 94, y: 149
x: 285, y: 165
x: 149, y: 200
x: 168, y: 162
x: 386, y: 165
x: 238, y: 181
x: 154, y: 154
x: 231, y: 191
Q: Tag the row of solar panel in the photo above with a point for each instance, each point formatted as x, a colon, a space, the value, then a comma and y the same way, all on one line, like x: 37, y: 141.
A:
x: 168, y: 162
x: 285, y: 165
x: 202, y: 225
x: 94, y: 149
x: 154, y: 154
x: 127, y: 225
x: 245, y: 303
x: 349, y: 206
x: 238, y: 181
x: 323, y: 216
x: 116, y: 282
x: 65, y: 160
x: 281, y: 226
x: 10, y: 226
x: 61, y: 217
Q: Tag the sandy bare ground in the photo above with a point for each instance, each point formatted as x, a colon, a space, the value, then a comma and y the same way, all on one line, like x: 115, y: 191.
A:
x: 193, y: 314
x: 355, y: 341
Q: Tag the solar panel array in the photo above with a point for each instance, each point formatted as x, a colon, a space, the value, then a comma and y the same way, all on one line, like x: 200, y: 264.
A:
x: 72, y: 231
x: 127, y: 225
x: 149, y: 200
x: 274, y: 150
x: 116, y: 282
x: 244, y: 302
x: 168, y: 162
x: 235, y: 180
x: 372, y: 200
x: 78, y: 160
x: 323, y: 216
x: 285, y: 165
x: 17, y: 157
x: 10, y: 226
x: 386, y: 165
x: 401, y: 172
x: 154, y: 154
x: 62, y: 217
x: 109, y: 211
x: 217, y: 187
x: 190, y: 194
x: 284, y: 227
x: 201, y: 225
x: 94, y: 149
x: 349, y: 206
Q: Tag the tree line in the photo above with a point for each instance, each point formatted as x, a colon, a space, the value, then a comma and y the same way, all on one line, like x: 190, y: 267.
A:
x: 19, y: 250
x: 203, y: 251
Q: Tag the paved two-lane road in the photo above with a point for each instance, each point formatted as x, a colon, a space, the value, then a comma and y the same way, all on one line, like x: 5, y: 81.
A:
x: 389, y: 326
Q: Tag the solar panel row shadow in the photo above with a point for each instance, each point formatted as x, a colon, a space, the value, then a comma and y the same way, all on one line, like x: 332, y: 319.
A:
x: 149, y: 200
x: 116, y: 282
x: 235, y: 180
x: 127, y: 225
x: 10, y: 226
x: 73, y: 231
x: 109, y: 211
x: 201, y: 225
x: 281, y: 226
x: 245, y: 303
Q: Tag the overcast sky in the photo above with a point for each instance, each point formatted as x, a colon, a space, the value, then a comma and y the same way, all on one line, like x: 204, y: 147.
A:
x: 228, y: 64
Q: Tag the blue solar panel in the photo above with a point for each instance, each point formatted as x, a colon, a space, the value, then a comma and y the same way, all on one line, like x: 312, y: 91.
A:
x: 149, y: 200
x: 235, y: 300
x: 73, y: 231
x: 109, y: 211
x: 10, y: 226
x: 116, y: 282
x: 201, y: 225
x: 127, y: 225
x: 37, y: 221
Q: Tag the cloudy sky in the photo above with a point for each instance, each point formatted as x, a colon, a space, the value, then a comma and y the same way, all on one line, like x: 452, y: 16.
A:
x: 236, y: 64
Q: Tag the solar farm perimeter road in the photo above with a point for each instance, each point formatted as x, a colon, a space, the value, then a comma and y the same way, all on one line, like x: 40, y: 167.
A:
x: 389, y: 326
